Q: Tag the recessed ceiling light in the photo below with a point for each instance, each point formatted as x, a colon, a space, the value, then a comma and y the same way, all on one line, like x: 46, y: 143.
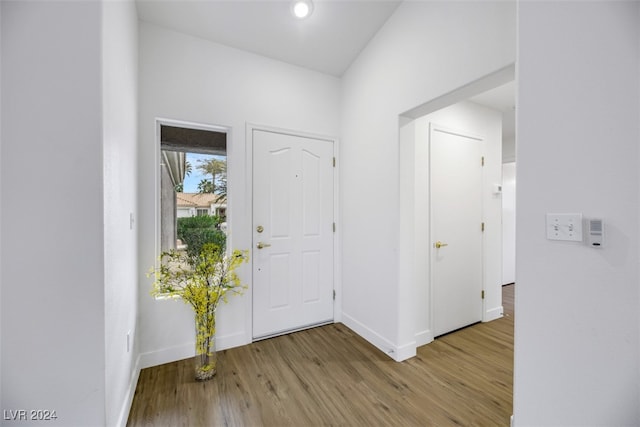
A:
x: 301, y: 8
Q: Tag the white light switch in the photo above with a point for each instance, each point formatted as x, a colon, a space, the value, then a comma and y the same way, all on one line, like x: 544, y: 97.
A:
x: 564, y: 227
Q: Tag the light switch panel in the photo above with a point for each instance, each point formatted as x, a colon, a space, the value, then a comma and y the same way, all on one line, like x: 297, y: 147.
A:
x: 565, y: 226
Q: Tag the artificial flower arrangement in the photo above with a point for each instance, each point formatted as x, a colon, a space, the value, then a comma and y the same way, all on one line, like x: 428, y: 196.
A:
x: 202, y: 281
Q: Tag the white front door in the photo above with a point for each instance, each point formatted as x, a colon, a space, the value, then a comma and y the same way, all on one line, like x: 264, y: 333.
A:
x: 292, y: 232
x: 456, y: 229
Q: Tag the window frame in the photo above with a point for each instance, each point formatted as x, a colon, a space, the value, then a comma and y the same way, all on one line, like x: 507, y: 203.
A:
x: 159, y: 122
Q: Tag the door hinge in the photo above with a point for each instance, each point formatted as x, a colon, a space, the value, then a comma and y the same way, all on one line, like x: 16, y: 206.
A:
x: 482, y: 161
x: 334, y: 162
x: 482, y: 295
x: 482, y: 226
x: 334, y: 294
x: 334, y: 227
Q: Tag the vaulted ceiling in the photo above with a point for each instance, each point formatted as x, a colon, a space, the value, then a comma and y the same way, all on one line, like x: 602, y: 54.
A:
x: 327, y: 41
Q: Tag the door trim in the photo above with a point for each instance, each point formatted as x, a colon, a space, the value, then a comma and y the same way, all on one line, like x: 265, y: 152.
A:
x: 434, y: 127
x: 337, y: 240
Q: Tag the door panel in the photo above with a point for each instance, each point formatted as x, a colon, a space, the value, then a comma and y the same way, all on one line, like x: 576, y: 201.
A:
x: 293, y: 203
x: 280, y: 193
x: 456, y: 215
x: 311, y: 189
x: 279, y: 281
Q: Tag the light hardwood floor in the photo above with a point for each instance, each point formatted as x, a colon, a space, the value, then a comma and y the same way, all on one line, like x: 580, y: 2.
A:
x: 331, y: 376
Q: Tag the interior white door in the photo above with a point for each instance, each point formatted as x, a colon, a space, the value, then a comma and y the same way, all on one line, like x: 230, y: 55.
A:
x: 292, y: 232
x: 456, y: 229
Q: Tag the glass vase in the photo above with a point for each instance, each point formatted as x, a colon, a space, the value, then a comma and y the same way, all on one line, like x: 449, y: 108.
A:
x: 206, y: 358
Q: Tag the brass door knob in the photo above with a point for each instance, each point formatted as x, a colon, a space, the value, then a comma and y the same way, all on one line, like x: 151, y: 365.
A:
x: 439, y: 244
x: 261, y: 245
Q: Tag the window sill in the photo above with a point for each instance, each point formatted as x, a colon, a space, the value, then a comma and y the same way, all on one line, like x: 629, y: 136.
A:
x: 163, y: 297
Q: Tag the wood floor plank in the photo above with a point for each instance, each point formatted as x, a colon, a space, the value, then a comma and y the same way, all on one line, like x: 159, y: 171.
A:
x: 332, y: 377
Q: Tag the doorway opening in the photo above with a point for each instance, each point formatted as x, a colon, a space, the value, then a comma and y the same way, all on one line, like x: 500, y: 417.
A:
x: 466, y: 111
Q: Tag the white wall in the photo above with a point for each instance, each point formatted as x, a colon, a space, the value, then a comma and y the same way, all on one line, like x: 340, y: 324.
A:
x: 509, y: 150
x: 577, y: 308
x: 425, y: 50
x: 186, y: 78
x: 120, y: 76
x: 52, y: 259
x: 476, y: 120
x: 508, y: 223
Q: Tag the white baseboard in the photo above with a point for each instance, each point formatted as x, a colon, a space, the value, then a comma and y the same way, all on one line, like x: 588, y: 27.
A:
x: 166, y: 355
x: 184, y: 351
x: 424, y: 337
x: 131, y: 391
x: 397, y: 353
x: 493, y: 314
x: 405, y: 351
